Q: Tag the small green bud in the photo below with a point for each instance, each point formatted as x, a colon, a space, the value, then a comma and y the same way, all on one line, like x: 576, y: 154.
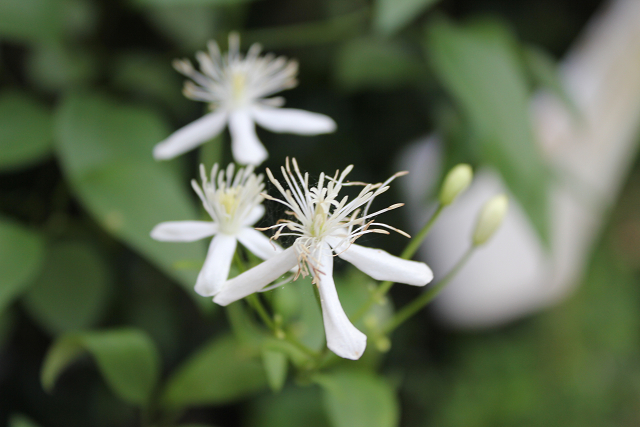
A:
x: 456, y: 181
x: 490, y: 218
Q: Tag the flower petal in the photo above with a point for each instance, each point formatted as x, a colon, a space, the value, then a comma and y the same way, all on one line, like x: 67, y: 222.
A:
x: 292, y: 120
x: 245, y: 145
x: 254, y: 216
x: 215, y: 270
x: 342, y: 337
x: 183, y: 231
x: 191, y: 135
x: 259, y: 244
x: 383, y: 266
x: 258, y: 277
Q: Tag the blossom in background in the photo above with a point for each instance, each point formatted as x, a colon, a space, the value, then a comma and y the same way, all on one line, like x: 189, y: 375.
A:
x: 234, y: 203
x: 324, y: 225
x: 236, y: 88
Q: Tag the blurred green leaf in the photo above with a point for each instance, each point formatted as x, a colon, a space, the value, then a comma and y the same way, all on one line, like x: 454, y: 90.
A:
x: 127, y: 359
x: 26, y: 132
x: 21, y: 256
x: 223, y: 371
x: 54, y: 66
x: 189, y: 26
x: 294, y: 406
x: 369, y: 63
x: 275, y: 365
x: 359, y: 399
x: 390, y: 16
x: 30, y: 20
x: 163, y: 3
x: 105, y: 149
x: 72, y: 290
x: 152, y: 78
x: 544, y: 71
x: 21, y: 421
x: 482, y: 73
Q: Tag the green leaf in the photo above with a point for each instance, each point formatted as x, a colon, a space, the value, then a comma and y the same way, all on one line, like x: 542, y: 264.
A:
x: 189, y: 26
x: 55, y: 67
x: 294, y: 406
x: 105, y: 149
x: 21, y: 255
x: 72, y: 290
x: 544, y: 71
x: 127, y: 359
x: 275, y: 365
x: 481, y: 71
x: 223, y: 371
x: 359, y: 399
x: 25, y: 130
x: 21, y: 421
x: 391, y: 16
x: 29, y: 20
x: 164, y: 3
x: 365, y: 63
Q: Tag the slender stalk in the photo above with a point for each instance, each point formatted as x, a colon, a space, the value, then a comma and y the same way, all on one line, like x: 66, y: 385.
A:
x: 408, y: 252
x: 417, y: 304
x: 256, y: 304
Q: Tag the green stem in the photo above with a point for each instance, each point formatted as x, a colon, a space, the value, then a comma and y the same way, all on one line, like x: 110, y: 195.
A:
x: 417, y: 304
x: 408, y: 252
x: 256, y: 304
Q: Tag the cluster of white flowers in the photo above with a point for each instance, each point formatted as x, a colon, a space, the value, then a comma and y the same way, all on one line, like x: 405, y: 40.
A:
x: 322, y: 224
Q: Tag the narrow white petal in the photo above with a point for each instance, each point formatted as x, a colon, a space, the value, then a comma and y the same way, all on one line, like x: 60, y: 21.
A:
x: 190, y: 136
x: 215, y: 270
x: 245, y: 145
x: 259, y: 244
x: 383, y: 266
x: 183, y: 231
x: 292, y: 120
x: 254, y: 216
x: 258, y: 277
x: 342, y: 337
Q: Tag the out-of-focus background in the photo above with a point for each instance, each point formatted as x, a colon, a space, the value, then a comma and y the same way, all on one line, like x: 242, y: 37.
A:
x: 87, y: 89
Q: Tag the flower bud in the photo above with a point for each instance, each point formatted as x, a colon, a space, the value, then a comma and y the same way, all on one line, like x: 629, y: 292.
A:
x: 490, y: 218
x: 456, y: 181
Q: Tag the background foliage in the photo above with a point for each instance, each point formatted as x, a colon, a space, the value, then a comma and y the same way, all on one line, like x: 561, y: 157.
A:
x: 107, y: 316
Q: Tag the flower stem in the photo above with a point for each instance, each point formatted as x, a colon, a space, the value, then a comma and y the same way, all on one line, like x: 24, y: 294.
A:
x: 417, y: 304
x: 408, y: 252
x: 256, y: 304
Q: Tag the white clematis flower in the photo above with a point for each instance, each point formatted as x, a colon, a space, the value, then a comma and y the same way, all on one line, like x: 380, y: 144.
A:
x: 236, y: 88
x: 234, y: 203
x: 325, y: 226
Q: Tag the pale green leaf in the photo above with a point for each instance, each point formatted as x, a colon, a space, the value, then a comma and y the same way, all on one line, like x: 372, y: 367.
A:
x: 29, y: 20
x: 72, y: 290
x: 390, y: 16
x: 275, y: 365
x: 481, y: 71
x: 21, y: 256
x: 223, y: 371
x: 21, y: 421
x: 359, y: 399
x: 54, y: 66
x: 105, y: 148
x: 366, y: 63
x: 127, y: 359
x: 25, y: 130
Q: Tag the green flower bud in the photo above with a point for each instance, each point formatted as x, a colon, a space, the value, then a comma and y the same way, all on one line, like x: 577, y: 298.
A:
x: 490, y: 218
x: 456, y: 181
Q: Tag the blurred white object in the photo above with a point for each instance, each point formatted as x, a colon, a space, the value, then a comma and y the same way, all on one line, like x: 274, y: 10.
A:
x: 512, y: 275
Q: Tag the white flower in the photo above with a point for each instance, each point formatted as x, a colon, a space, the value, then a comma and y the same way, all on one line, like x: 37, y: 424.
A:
x: 323, y: 226
x: 234, y: 204
x: 236, y: 88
